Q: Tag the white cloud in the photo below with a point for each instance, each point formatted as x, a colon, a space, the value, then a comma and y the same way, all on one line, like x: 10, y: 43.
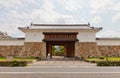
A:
x: 16, y: 13
x: 110, y: 6
x: 15, y: 3
x: 47, y: 14
x: 10, y: 3
x: 116, y: 18
x: 96, y: 20
x: 16, y: 18
x: 116, y: 6
x: 100, y: 5
x: 11, y: 29
x: 71, y: 5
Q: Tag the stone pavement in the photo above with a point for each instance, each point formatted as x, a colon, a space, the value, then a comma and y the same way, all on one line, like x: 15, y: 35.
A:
x: 61, y: 63
x: 60, y: 75
x: 60, y: 70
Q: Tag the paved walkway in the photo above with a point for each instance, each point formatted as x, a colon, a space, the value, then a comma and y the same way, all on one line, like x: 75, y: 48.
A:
x: 62, y: 63
x: 60, y: 72
x: 60, y: 69
x: 57, y: 69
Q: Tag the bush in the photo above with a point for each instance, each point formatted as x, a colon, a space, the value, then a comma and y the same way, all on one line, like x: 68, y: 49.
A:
x: 105, y: 63
x: 13, y: 63
x: 91, y: 61
x: 108, y: 63
x: 102, y: 57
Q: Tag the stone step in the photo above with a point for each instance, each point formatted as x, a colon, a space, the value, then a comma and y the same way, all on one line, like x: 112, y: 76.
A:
x: 61, y: 59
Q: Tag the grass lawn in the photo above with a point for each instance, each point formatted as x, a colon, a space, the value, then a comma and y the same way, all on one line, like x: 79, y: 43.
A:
x: 2, y: 58
x: 114, y: 59
x: 18, y: 59
x: 109, y: 59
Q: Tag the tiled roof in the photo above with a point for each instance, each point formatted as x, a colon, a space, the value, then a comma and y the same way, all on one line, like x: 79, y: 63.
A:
x: 60, y: 26
x: 107, y: 38
x: 4, y: 35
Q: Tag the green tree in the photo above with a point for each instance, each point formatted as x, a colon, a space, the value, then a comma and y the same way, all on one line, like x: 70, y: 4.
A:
x: 61, y: 48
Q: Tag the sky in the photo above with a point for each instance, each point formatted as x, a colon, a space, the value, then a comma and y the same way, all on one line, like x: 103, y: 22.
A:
x: 99, y: 13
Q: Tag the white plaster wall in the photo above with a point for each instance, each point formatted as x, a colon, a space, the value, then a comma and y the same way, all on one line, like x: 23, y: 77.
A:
x: 83, y: 36
x: 34, y: 37
x: 108, y: 42
x: 11, y: 42
x: 86, y: 36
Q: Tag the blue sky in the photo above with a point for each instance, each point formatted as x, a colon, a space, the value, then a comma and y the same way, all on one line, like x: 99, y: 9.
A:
x: 100, y: 13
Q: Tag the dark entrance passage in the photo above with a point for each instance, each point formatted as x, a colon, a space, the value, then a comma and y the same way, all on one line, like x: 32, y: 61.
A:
x: 69, y: 48
x: 67, y: 40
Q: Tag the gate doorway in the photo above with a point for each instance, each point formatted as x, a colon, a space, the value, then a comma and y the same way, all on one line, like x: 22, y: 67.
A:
x: 68, y: 48
x: 66, y: 40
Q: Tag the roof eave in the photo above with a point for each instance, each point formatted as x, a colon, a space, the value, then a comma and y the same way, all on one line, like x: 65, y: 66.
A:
x: 107, y: 38
x: 24, y: 29
x: 98, y: 29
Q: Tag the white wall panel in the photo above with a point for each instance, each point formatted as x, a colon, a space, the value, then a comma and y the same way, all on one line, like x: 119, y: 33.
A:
x: 108, y: 42
x: 34, y: 37
x: 86, y: 37
x: 12, y: 42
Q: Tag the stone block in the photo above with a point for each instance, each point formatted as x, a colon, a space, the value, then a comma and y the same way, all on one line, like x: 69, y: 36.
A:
x: 34, y: 49
x: 86, y: 49
x: 10, y: 51
x: 109, y: 50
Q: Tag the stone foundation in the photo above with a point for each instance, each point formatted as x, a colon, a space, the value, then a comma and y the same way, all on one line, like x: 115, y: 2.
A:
x: 38, y: 49
x: 34, y: 49
x: 10, y: 51
x: 109, y: 50
x: 86, y: 49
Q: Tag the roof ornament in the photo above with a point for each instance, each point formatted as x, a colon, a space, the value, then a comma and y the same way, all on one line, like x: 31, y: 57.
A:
x: 31, y: 24
x: 88, y: 24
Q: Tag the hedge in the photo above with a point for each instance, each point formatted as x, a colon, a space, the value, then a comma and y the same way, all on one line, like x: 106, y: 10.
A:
x: 13, y: 63
x: 108, y: 63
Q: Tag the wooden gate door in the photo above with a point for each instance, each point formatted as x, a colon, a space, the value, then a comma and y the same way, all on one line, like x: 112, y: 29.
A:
x: 70, y: 49
x: 67, y: 39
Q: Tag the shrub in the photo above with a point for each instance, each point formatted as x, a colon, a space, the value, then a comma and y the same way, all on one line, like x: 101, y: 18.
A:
x: 13, y: 63
x: 108, y: 63
x: 105, y: 63
x: 102, y: 57
x: 18, y: 63
x: 93, y: 61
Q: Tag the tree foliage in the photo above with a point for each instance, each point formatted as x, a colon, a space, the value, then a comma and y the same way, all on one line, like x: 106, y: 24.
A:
x: 58, y: 50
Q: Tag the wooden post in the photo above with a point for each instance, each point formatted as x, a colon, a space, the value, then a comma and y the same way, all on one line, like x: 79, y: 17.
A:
x: 65, y: 50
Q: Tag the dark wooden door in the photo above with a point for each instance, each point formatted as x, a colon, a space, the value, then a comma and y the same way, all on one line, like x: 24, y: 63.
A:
x: 70, y: 49
x: 49, y: 49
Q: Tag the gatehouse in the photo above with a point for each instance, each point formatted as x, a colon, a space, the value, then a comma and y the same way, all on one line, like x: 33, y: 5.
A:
x: 76, y: 40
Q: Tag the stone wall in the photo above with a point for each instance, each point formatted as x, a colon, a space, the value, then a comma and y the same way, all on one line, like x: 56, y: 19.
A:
x: 10, y: 50
x: 86, y: 49
x: 38, y: 49
x: 109, y: 50
x: 29, y: 49
x: 34, y: 49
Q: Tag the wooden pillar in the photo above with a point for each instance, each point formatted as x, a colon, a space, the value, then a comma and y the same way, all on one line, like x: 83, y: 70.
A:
x: 49, y: 51
x: 65, y: 50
